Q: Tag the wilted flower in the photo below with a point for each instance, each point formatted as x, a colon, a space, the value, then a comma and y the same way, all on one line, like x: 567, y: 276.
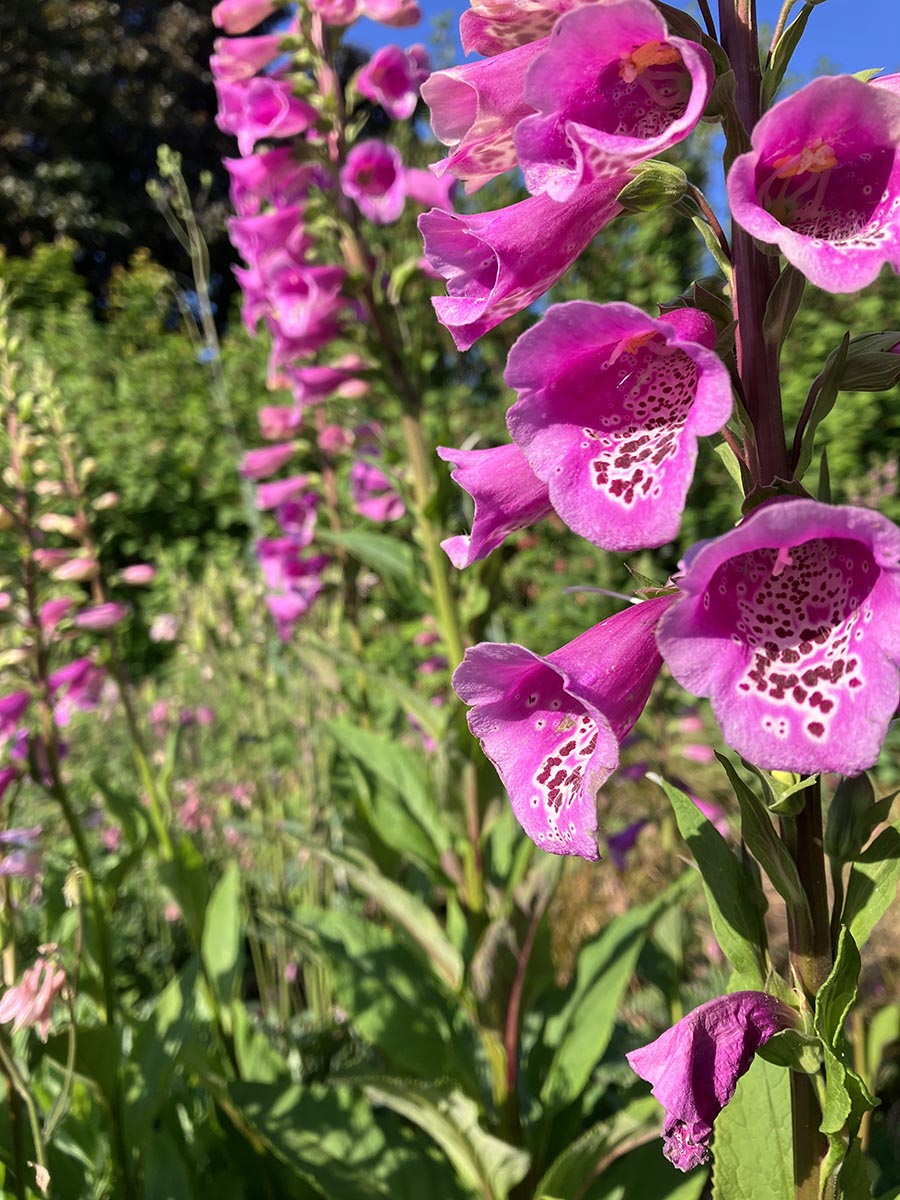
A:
x: 790, y: 624
x: 694, y: 1066
x: 552, y: 726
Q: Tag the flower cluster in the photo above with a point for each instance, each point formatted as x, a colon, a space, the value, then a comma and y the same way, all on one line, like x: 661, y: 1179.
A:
x: 296, y: 165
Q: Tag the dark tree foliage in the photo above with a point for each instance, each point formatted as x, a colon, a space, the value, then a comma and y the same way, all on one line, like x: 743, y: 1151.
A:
x: 90, y: 89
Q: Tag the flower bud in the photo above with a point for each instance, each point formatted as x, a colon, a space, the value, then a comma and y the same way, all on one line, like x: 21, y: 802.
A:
x: 76, y: 570
x: 58, y: 523
x: 655, y: 185
x: 107, y: 500
x: 873, y: 363
x: 6, y: 519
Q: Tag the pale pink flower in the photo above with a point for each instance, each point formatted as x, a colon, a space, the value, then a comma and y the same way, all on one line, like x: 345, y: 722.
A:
x: 29, y: 1003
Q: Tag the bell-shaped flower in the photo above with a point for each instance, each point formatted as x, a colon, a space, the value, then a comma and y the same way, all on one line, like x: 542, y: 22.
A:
x: 493, y: 26
x: 263, y: 463
x: 553, y: 726
x: 239, y: 16
x: 475, y: 108
x: 12, y: 709
x: 279, y: 420
x: 264, y: 236
x: 392, y: 78
x: 822, y: 181
x: 271, y: 495
x: 497, y: 263
x: 611, y: 402
x: 100, y: 618
x: 508, y: 497
x: 612, y: 89
x: 75, y: 686
x: 399, y: 14
x: 313, y: 382
x: 423, y: 189
x: 138, y: 574
x: 695, y: 1066
x: 373, y: 177
x: 790, y: 624
x: 54, y: 611
x: 304, y: 301
x: 242, y: 57
x: 336, y: 12
x: 262, y: 107
x: 274, y: 177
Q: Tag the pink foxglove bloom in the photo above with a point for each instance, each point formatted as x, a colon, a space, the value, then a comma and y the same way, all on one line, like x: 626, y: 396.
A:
x: 75, y: 686
x: 392, y: 78
x: 373, y: 493
x: 260, y: 464
x: 508, y: 497
x: 274, y: 177
x: 553, y: 726
x: 422, y: 188
x: 239, y: 16
x: 12, y: 709
x: 311, y: 384
x: 30, y: 1003
x: 138, y: 574
x: 270, y: 495
x: 373, y: 178
x: 76, y: 570
x: 612, y: 89
x: 611, y: 402
x: 695, y: 1066
x: 790, y: 624
x: 297, y: 518
x: 475, y: 108
x: 101, y: 617
x: 332, y: 440
x: 336, y: 12
x: 493, y: 26
x: 497, y: 263
x: 8, y: 776
x: 399, y: 14
x: 822, y: 181
x: 243, y: 57
x: 305, y: 300
x: 280, y: 232
x: 48, y: 558
x: 262, y: 107
x: 622, y: 843
x: 53, y: 612
x: 279, y: 420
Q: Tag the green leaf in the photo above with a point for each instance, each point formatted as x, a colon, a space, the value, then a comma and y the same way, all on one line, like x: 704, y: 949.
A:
x: 783, y: 303
x: 872, y: 885
x: 645, y: 1175
x: 220, y: 945
x: 734, y: 897
x: 769, y: 850
x: 731, y: 463
x: 838, y: 993
x: 823, y: 487
x: 752, y: 1144
x: 410, y: 913
x: 573, y: 1171
x: 782, y: 54
x: 387, y: 556
x: 485, y: 1165
x: 186, y: 878
x: 830, y: 379
x: 581, y: 1031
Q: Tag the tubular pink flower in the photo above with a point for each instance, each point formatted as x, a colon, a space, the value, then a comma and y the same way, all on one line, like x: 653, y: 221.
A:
x: 76, y: 570
x: 75, y: 686
x: 694, y: 1066
x: 270, y: 235
x: 242, y: 57
x: 397, y: 13
x: 270, y: 495
x: 612, y: 89
x: 260, y: 464
x: 508, y: 496
x: 279, y: 420
x: 12, y: 709
x: 422, y: 188
x: 392, y: 78
x: 822, y: 181
x: 138, y: 574
x: 373, y: 178
x: 790, y: 624
x: 373, y: 493
x: 493, y: 26
x: 239, y: 16
x: 497, y: 263
x: 611, y: 402
x: 474, y: 111
x: 553, y: 726
x: 262, y: 107
x: 313, y: 383
x: 304, y: 300
x: 101, y: 617
x: 336, y: 12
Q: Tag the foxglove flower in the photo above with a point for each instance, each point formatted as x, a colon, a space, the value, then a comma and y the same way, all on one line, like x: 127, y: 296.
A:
x: 552, y: 726
x: 75, y: 686
x: 397, y: 13
x: 422, y: 188
x: 274, y: 177
x: 694, y: 1066
x: 508, y: 496
x: 279, y: 420
x: 612, y: 89
x: 101, y: 617
x: 392, y: 78
x: 271, y: 495
x: 497, y: 263
x: 242, y: 57
x: 373, y: 178
x: 790, y: 624
x: 373, y: 493
x: 611, y: 402
x: 262, y: 463
x: 311, y: 384
x: 138, y: 574
x: 238, y: 16
x: 305, y: 301
x: 475, y: 108
x: 12, y: 709
x: 492, y: 26
x: 262, y: 107
x: 822, y: 181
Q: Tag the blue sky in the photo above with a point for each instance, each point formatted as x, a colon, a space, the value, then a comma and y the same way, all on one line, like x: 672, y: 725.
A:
x: 851, y: 35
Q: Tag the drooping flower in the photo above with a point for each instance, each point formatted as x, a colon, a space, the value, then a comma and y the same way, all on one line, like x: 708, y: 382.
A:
x: 373, y: 178
x: 12, y: 709
x: 279, y: 420
x: 392, y: 78
x: 790, y: 624
x: 475, y: 108
x: 237, y: 58
x: 373, y: 493
x: 274, y: 177
x: 422, y: 188
x: 30, y: 1002
x: 508, y: 496
x: 497, y: 263
x: 399, y: 14
x: 611, y: 402
x: 239, y: 16
x: 822, y: 181
x: 312, y: 383
x: 138, y: 574
x: 261, y: 463
x: 622, y: 843
x: 75, y: 686
x: 261, y: 107
x: 492, y: 26
x: 612, y: 89
x: 101, y: 617
x: 552, y: 726
x: 336, y: 12
x: 695, y: 1066
x: 304, y: 302
x: 270, y: 495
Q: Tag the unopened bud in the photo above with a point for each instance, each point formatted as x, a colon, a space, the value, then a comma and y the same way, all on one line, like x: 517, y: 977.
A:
x: 50, y: 487
x: 76, y: 570
x: 58, y: 523
x: 107, y: 500
x: 655, y: 185
x: 873, y: 363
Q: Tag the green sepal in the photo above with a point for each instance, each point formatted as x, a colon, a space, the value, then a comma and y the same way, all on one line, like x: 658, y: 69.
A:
x: 655, y: 185
x: 798, y: 1051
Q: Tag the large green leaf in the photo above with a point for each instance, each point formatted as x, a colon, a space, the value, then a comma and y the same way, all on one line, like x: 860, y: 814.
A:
x: 186, y: 877
x: 752, y: 1144
x: 644, y: 1174
x: 387, y: 556
x: 406, y: 910
x: 735, y: 900
x: 581, y: 1031
x: 872, y: 885
x: 220, y: 945
x: 486, y: 1166
x: 572, y: 1172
